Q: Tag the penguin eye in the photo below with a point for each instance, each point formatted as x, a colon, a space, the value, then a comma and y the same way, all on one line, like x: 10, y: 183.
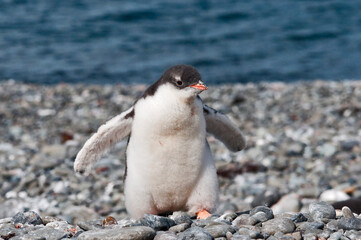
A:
x: 179, y: 83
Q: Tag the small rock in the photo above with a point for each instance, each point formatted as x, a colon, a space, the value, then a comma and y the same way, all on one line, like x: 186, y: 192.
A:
x: 288, y: 203
x: 283, y: 225
x: 29, y: 217
x: 299, y: 217
x: 310, y: 225
x: 268, y: 211
x: 335, y: 236
x: 219, y: 230
x: 327, y: 150
x: 165, y: 236
x: 244, y: 219
x: 45, y: 233
x: 195, y: 233
x: 181, y: 217
x: 349, y: 221
x: 319, y: 210
x: 158, y: 223
x: 90, y: 225
x: 128, y: 233
x: 180, y: 227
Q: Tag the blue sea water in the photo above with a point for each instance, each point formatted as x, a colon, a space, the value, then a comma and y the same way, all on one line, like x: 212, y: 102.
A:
x: 92, y: 41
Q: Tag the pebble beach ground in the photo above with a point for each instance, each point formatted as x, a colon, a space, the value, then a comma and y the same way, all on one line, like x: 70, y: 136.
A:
x: 303, y: 157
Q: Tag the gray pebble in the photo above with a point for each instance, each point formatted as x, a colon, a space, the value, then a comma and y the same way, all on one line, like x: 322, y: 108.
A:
x: 180, y: 227
x: 283, y: 225
x: 165, y: 236
x: 90, y: 225
x: 219, y: 230
x: 128, y: 233
x: 195, y: 233
x: 44, y: 233
x: 244, y: 219
x: 319, y: 210
x: 29, y: 217
x: 309, y: 225
x: 349, y: 223
x: 335, y: 236
x: 156, y: 222
x: 268, y: 211
x: 299, y: 217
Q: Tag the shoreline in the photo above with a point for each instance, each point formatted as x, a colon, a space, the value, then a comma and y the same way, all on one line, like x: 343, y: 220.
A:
x: 303, y: 146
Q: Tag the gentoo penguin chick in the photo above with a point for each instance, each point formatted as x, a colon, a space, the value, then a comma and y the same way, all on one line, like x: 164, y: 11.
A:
x: 169, y: 164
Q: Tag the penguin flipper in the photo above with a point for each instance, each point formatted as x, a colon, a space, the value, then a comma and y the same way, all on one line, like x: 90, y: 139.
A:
x: 221, y: 127
x: 108, y: 134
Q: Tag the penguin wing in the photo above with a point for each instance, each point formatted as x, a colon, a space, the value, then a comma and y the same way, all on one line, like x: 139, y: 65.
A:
x: 108, y: 134
x: 221, y: 127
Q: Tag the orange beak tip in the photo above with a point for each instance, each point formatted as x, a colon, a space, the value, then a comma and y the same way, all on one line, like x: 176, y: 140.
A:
x: 199, y: 86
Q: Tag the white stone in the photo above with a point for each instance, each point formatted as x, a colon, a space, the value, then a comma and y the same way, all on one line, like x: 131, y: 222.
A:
x: 333, y: 195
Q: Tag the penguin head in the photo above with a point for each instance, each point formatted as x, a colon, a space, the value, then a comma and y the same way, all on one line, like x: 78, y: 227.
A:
x: 185, y: 78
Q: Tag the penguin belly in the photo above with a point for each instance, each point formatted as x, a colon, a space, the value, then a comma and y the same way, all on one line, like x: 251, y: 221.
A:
x: 165, y: 159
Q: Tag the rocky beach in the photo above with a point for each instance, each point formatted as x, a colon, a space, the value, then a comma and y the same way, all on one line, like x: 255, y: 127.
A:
x: 302, y: 164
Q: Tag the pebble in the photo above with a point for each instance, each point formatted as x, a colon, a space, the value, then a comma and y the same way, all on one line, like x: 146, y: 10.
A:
x: 320, y: 210
x: 288, y: 203
x: 195, y: 233
x: 349, y: 221
x: 219, y: 230
x: 158, y: 223
x: 283, y: 225
x: 29, y: 217
x: 136, y: 233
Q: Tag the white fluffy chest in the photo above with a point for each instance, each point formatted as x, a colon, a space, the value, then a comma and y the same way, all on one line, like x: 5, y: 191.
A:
x: 167, y: 144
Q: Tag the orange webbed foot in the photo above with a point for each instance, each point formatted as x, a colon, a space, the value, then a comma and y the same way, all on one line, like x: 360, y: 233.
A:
x: 203, y: 214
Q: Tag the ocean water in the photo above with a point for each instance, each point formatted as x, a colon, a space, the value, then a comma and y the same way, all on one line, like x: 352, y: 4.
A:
x: 114, y: 41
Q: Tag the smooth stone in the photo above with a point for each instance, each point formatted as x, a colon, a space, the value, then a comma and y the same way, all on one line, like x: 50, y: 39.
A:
x: 29, y: 217
x: 326, y: 149
x: 333, y: 195
x: 319, y: 210
x: 310, y: 225
x: 332, y: 225
x: 8, y: 231
x: 180, y: 227
x: 90, y: 225
x: 228, y: 216
x: 298, y: 217
x: 158, y: 223
x: 288, y: 203
x: 181, y: 217
x: 195, y: 233
x: 45, y: 233
x: 335, y: 236
x: 283, y: 225
x: 128, y: 233
x: 219, y: 230
x: 352, y: 234
x: 250, y: 232
x: 268, y: 211
x: 244, y: 219
x: 165, y: 236
x: 349, y: 221
x: 240, y: 237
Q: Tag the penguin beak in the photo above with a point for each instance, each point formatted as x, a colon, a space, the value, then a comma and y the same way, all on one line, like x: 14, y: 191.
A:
x: 200, y: 86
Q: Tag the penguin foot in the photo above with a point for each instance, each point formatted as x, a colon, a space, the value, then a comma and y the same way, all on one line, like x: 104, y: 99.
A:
x: 203, y: 214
